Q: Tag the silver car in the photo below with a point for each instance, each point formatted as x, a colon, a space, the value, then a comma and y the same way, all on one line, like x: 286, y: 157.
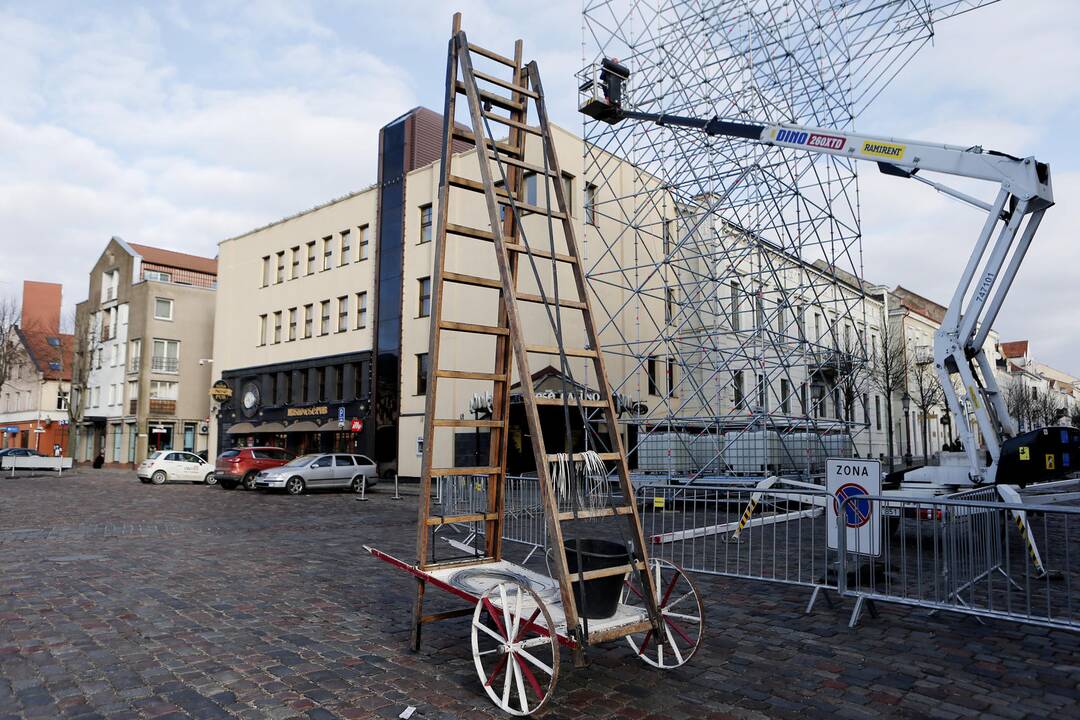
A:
x: 322, y: 470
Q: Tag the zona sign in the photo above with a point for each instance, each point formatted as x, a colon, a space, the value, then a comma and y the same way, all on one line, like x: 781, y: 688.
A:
x: 846, y: 479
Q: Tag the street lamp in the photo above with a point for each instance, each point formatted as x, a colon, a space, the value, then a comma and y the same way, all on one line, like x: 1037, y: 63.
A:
x: 905, y: 402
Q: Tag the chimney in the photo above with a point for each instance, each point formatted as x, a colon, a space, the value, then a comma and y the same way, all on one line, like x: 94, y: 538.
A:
x: 41, y: 307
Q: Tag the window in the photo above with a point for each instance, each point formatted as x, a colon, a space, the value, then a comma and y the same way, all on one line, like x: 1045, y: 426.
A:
x: 735, y: 306
x: 288, y: 388
x: 785, y: 399
x: 421, y: 373
x: 328, y: 252
x: 166, y: 357
x: 112, y: 394
x: 425, y: 223
x: 157, y: 275
x: 817, y: 327
x: 163, y: 309
x: 669, y: 304
x: 62, y: 400
x: 136, y: 355
x: 277, y: 327
x: 310, y: 257
x: 281, y: 266
x: 343, y: 313
x: 345, y: 251
x: 671, y: 377
x: 114, y: 355
x: 590, y: 211
x: 309, y: 320
x: 262, y: 329
x: 802, y: 400
x: 762, y: 399
x: 737, y: 381
x: 838, y: 411
x: 361, y: 310
x: 295, y: 272
x: 425, y: 297
x: 568, y: 192
x: 877, y: 412
x: 292, y: 323
x: 530, y: 188
x: 273, y: 389
x: 358, y: 380
x: 324, y: 324
x: 304, y: 386
x: 362, y: 243
x: 162, y: 390
x: 339, y: 382
x: 320, y: 384
x: 650, y: 371
x: 781, y: 325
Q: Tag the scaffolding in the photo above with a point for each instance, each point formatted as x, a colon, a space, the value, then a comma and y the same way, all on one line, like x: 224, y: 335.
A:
x: 740, y: 310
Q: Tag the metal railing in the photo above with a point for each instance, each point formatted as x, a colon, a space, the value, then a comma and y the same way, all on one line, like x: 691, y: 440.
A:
x: 163, y: 363
x: 775, y: 535
x: 523, y: 511
x: 1008, y: 561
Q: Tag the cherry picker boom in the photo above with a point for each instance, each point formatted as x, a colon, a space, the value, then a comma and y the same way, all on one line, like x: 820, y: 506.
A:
x: 1024, y: 193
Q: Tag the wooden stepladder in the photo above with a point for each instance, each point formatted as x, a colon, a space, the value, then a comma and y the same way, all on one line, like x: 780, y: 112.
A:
x: 504, y: 104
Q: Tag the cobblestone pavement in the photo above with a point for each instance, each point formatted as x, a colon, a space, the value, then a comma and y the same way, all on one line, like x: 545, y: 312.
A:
x: 123, y: 600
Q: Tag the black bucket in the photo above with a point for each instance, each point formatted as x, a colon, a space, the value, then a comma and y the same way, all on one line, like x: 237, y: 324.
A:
x: 602, y: 593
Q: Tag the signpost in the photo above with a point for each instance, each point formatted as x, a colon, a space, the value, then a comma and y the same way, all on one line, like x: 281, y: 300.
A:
x: 848, y: 478
x: 341, y: 417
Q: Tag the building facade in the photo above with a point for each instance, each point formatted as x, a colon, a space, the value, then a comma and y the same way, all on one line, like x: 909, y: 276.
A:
x: 34, y: 398
x: 146, y: 334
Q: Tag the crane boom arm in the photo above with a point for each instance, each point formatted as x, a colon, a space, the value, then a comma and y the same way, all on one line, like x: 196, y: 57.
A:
x: 1024, y: 193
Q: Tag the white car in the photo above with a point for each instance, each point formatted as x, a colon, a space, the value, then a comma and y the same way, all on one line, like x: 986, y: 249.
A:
x: 165, y: 465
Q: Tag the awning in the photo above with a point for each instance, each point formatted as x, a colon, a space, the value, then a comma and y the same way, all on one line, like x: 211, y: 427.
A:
x: 270, y: 427
x: 303, y: 426
x: 240, y: 429
x: 330, y: 426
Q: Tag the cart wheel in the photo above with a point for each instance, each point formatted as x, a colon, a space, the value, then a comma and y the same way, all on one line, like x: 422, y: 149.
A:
x: 510, y: 638
x: 681, y: 608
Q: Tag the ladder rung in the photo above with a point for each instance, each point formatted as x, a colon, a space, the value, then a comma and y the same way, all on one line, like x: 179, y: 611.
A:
x: 468, y: 136
x: 572, y: 403
x: 497, y: 100
x: 513, y: 123
x: 474, y: 328
x: 465, y: 183
x: 446, y: 472
x: 516, y: 247
x: 504, y: 83
x: 474, y: 280
x: 603, y: 572
x: 599, y: 512
x: 461, y: 423
x: 477, y: 233
x: 563, y: 302
x: 554, y: 350
x: 467, y: 375
x: 491, y: 55
x: 538, y: 169
x: 552, y: 457
x: 535, y: 209
x: 473, y: 517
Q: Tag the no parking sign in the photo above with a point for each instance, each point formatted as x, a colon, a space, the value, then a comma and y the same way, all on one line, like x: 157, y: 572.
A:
x: 848, y: 478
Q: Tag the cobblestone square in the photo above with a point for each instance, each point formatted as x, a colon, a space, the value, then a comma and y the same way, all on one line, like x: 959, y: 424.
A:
x: 123, y: 600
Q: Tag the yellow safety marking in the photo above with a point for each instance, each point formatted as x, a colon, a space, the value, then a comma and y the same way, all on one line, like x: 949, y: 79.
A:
x: 1031, y: 550
x: 658, y: 503
x: 1025, y: 453
x: 1049, y: 461
x: 974, y: 397
x: 746, y: 515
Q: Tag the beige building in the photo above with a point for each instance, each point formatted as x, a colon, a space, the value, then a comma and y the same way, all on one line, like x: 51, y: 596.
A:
x: 147, y: 327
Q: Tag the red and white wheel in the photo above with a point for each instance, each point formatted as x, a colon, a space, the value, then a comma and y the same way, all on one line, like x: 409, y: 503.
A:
x: 682, y: 612
x: 516, y: 657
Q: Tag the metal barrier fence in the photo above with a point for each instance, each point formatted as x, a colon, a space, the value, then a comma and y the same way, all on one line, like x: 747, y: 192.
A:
x: 989, y: 559
x: 775, y: 535
x: 523, y: 512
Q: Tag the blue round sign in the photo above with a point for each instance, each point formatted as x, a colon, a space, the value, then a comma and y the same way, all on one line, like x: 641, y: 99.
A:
x: 856, y: 512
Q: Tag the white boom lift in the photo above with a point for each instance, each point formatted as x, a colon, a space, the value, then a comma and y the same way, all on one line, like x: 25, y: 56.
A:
x: 1023, y: 195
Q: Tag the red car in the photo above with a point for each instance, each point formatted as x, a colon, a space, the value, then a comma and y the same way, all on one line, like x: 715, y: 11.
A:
x: 241, y: 465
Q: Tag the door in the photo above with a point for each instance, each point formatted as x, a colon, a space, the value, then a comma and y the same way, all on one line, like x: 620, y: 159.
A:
x: 321, y: 472
x: 177, y: 467
x: 344, y: 470
x: 198, y: 467
x: 366, y: 466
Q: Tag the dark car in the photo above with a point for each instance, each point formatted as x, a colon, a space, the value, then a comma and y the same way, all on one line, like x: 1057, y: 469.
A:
x: 20, y: 452
x: 241, y: 465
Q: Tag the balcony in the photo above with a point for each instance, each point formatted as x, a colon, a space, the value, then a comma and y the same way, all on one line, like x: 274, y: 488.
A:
x: 160, y: 363
x: 162, y: 407
x: 830, y: 362
x: 133, y: 364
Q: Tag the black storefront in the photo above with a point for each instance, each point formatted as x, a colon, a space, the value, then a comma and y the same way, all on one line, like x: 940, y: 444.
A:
x: 312, y: 405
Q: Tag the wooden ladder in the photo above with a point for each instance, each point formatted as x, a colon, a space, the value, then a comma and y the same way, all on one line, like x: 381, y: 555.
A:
x: 502, y: 171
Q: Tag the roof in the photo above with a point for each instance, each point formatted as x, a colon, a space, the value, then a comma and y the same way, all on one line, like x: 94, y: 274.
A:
x: 51, y: 354
x: 922, y: 305
x: 171, y: 258
x: 1015, y: 349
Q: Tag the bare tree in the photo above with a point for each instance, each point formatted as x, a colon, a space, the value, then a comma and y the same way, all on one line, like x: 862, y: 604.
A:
x: 10, y: 349
x: 927, y: 394
x: 1046, y: 410
x: 888, y: 372
x: 84, y: 342
x: 1019, y: 404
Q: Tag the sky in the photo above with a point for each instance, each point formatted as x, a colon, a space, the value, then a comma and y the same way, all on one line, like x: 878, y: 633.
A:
x: 180, y: 124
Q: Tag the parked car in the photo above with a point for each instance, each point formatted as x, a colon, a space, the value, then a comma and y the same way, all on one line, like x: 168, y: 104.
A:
x: 241, y: 465
x: 165, y: 465
x: 20, y: 452
x: 321, y: 470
